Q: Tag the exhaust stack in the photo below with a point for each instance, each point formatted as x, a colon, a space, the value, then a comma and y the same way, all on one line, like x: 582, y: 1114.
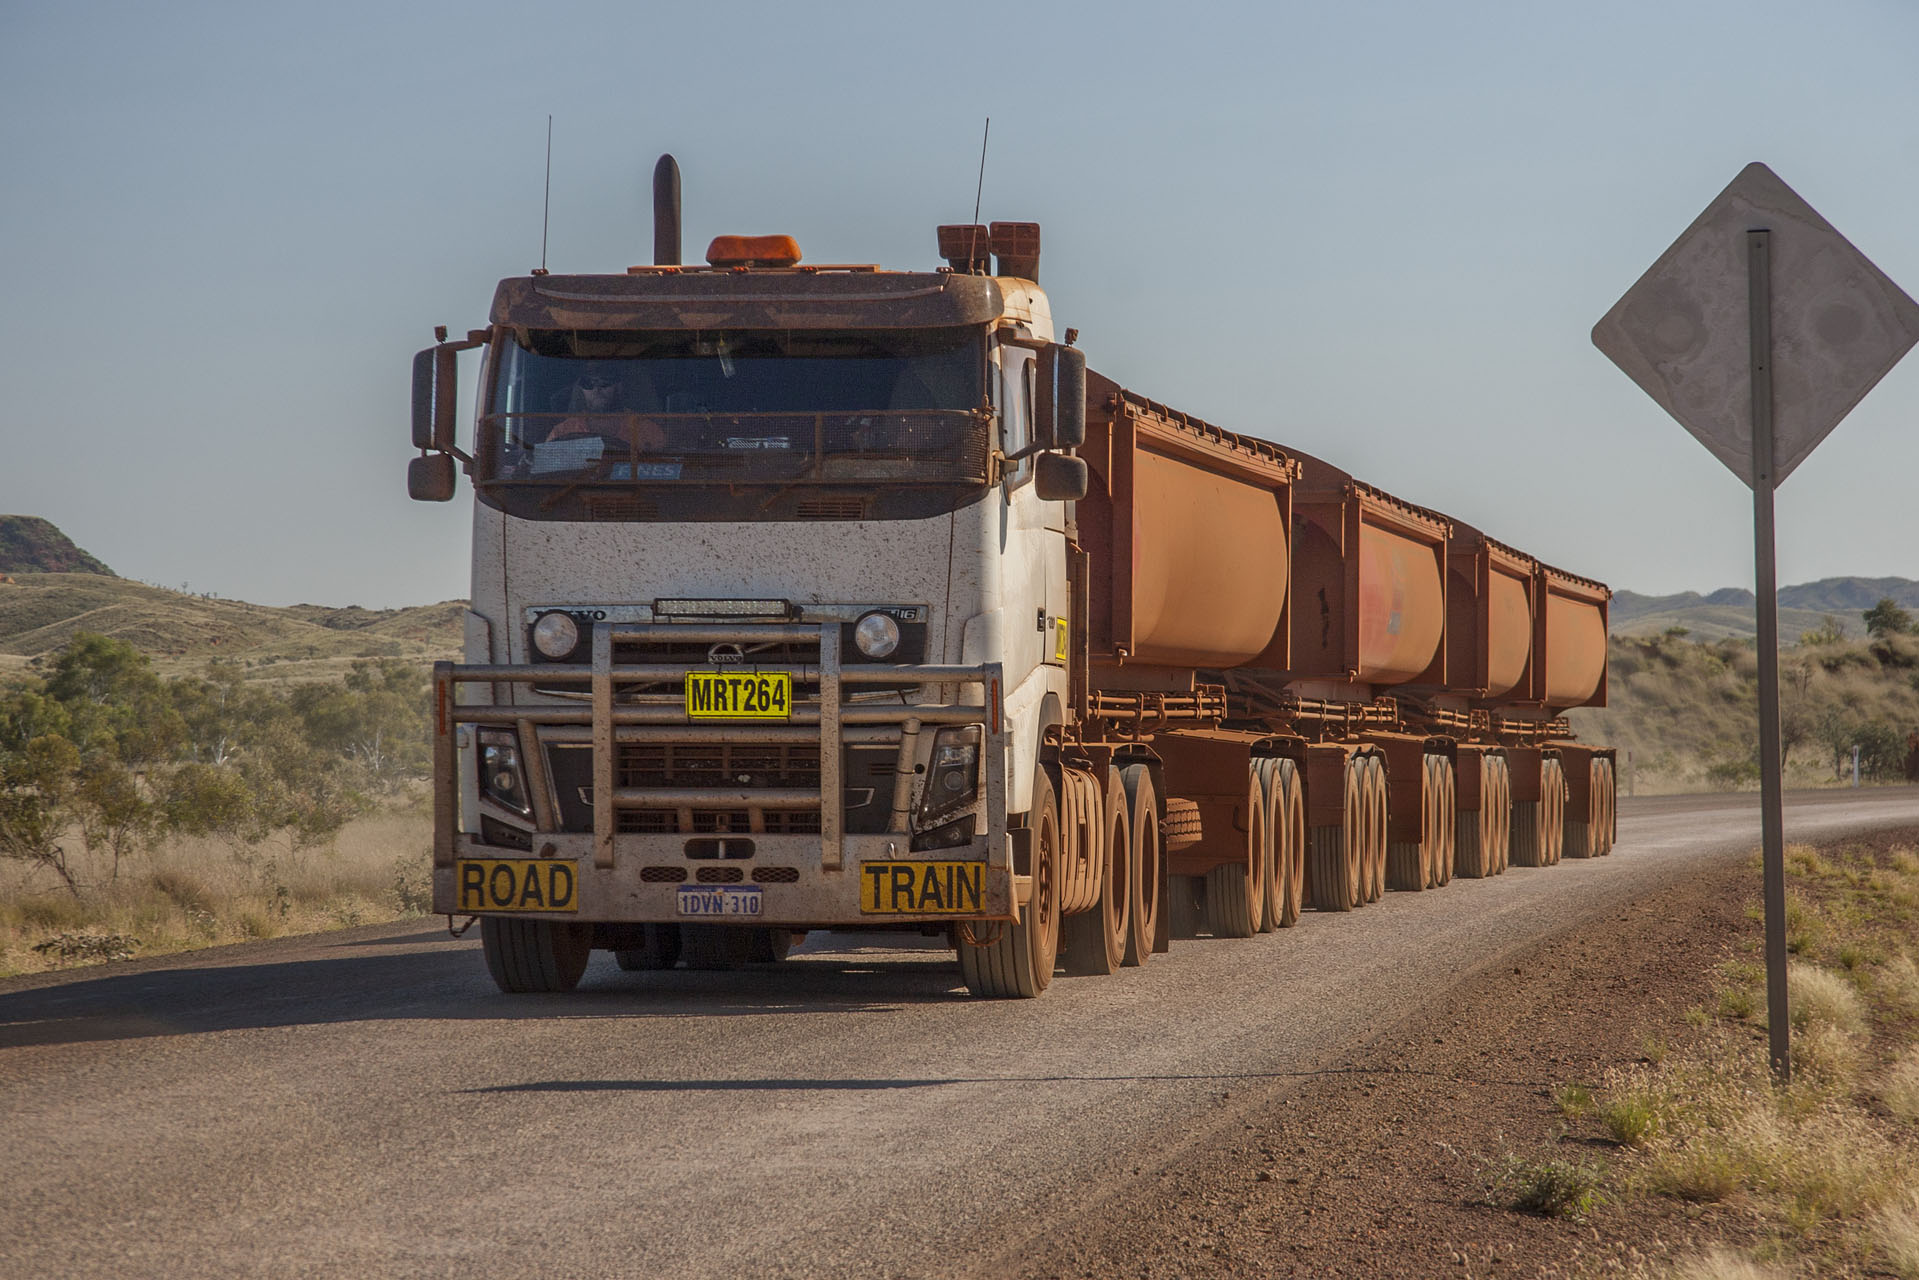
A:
x: 666, y: 212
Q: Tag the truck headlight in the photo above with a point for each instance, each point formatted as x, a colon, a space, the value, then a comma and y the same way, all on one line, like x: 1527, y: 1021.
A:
x: 952, y: 781
x: 556, y: 635
x: 877, y: 635
x: 501, y: 779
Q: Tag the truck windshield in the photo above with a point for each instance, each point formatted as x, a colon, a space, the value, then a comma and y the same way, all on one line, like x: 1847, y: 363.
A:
x: 734, y: 425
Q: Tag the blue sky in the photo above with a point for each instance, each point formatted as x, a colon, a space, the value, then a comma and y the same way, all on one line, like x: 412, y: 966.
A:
x: 1378, y: 232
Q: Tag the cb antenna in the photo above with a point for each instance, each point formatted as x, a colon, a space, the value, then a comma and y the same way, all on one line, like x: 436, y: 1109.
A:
x: 972, y: 237
x: 546, y: 202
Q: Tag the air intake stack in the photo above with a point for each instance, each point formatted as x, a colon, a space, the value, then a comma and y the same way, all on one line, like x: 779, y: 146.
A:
x: 666, y: 212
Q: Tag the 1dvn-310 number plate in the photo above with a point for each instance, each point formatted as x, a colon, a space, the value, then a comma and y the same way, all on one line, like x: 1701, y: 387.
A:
x: 739, y: 695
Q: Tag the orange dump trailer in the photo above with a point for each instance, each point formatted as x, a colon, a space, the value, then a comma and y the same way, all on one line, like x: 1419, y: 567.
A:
x: 1336, y: 691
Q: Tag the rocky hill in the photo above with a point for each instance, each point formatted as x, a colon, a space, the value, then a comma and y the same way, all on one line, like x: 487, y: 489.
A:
x: 40, y: 612
x: 1730, y: 610
x: 29, y: 544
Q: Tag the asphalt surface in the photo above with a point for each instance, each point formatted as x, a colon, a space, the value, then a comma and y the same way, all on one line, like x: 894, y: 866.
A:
x: 366, y: 1104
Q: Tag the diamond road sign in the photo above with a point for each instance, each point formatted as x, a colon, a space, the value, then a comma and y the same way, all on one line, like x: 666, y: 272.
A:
x: 1682, y: 332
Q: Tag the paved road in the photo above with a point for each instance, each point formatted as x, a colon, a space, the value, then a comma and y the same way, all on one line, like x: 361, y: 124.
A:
x: 365, y: 1104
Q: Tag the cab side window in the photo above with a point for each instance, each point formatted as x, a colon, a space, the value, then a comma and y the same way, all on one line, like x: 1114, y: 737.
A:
x: 1016, y: 408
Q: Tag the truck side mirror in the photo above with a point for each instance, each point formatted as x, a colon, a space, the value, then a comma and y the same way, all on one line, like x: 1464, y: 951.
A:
x: 1059, y: 477
x: 1060, y: 408
x: 430, y: 477
x: 435, y: 396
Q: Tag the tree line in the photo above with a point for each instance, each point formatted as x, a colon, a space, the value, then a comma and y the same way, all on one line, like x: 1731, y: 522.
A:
x: 102, y: 749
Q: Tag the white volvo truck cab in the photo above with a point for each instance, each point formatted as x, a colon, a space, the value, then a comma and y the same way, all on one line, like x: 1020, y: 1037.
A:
x: 770, y: 610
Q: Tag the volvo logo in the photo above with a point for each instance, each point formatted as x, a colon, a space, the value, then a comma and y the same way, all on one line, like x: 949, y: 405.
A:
x: 725, y: 654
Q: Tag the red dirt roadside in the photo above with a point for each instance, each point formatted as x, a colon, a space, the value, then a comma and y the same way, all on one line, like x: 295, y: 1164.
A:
x: 1376, y: 1165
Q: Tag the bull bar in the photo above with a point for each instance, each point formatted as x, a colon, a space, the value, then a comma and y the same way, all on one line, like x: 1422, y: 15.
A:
x: 831, y: 720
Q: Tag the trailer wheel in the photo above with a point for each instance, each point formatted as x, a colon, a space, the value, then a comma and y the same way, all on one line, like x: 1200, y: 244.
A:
x: 1474, y: 856
x: 1552, y: 798
x: 1236, y: 892
x: 1376, y: 828
x: 659, y: 949
x: 1503, y: 818
x: 1287, y: 822
x: 535, y: 955
x: 1445, y: 799
x: 1018, y: 963
x: 1149, y: 863
x: 1536, y: 822
x: 1409, y: 864
x: 1334, y: 854
x: 1095, y: 940
x: 1269, y: 798
x: 1609, y: 823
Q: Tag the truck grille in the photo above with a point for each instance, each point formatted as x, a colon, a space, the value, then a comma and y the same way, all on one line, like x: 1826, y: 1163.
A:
x: 730, y: 765
x: 710, y: 822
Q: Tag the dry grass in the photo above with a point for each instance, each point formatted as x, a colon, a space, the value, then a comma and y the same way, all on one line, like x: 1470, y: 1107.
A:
x: 1900, y: 1092
x: 198, y: 893
x: 1896, y: 1231
x: 1722, y: 1264
x: 1821, y: 998
x: 1826, y: 1167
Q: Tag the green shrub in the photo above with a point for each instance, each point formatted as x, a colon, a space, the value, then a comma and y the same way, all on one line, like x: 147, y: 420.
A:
x: 1552, y: 1188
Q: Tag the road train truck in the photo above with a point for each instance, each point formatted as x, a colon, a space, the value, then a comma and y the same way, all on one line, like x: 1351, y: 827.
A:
x: 831, y: 597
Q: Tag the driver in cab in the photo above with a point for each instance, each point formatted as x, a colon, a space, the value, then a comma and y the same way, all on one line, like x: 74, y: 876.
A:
x: 598, y: 404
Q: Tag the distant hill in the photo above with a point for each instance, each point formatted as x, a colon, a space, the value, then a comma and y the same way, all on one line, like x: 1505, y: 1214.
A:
x: 29, y: 544
x: 1729, y: 611
x: 40, y: 612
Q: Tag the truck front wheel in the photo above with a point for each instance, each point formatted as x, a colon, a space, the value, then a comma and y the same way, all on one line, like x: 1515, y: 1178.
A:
x: 1019, y: 961
x: 535, y: 955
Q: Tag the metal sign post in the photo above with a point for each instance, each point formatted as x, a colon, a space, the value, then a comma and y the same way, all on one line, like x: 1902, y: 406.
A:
x: 1823, y: 325
x: 1772, y: 805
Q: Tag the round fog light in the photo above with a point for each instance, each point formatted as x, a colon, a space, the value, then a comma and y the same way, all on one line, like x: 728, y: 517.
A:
x: 877, y: 635
x: 556, y: 634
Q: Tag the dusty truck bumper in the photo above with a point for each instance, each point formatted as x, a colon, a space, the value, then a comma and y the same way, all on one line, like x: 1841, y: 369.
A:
x: 812, y: 880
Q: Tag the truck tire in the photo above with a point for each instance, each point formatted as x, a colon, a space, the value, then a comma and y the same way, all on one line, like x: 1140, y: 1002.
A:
x: 1286, y: 821
x: 1267, y: 795
x: 1094, y: 941
x: 1334, y: 854
x: 535, y: 955
x: 1409, y: 863
x: 1149, y: 879
x: 1609, y: 822
x: 1552, y: 811
x: 1536, y: 823
x: 1445, y: 796
x: 1376, y: 828
x: 1018, y: 962
x: 1236, y: 892
x: 659, y: 949
x: 1496, y: 799
x: 1582, y: 829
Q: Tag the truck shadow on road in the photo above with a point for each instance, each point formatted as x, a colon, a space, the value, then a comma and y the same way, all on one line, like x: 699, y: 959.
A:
x: 446, y: 984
